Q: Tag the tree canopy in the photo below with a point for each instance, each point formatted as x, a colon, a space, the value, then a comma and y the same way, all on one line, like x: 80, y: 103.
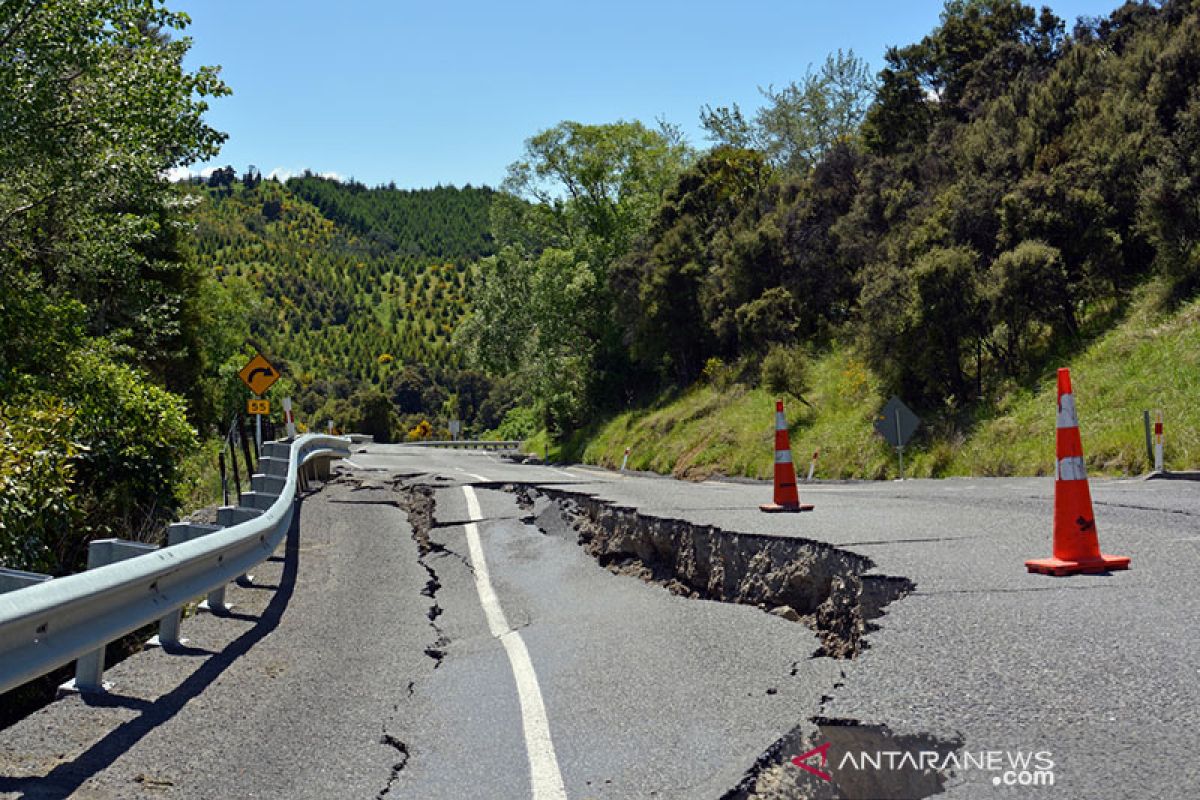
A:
x: 100, y: 331
x: 993, y: 194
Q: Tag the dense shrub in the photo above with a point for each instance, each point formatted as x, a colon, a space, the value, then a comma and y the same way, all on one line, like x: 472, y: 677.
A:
x: 100, y: 459
x: 784, y: 371
x: 519, y: 423
x: 37, y: 467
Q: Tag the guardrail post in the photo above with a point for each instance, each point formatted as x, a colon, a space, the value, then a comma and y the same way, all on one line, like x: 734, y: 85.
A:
x: 89, y: 668
x: 228, y: 516
x: 1158, y: 441
x: 1149, y: 440
x: 168, y: 626
x: 214, y: 603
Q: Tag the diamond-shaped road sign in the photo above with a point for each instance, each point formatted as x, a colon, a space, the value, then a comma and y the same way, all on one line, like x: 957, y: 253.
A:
x: 896, y: 422
x: 259, y: 375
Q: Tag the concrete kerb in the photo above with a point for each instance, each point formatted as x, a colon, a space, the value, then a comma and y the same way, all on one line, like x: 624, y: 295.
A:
x: 1188, y: 475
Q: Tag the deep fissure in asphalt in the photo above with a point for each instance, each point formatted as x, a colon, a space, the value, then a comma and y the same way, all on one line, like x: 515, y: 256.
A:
x: 801, y: 580
x: 419, y: 514
x: 828, y: 589
x: 774, y: 778
x: 825, y: 587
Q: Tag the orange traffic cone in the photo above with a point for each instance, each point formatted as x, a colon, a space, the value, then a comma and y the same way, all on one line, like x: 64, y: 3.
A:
x: 786, y: 496
x: 1076, y: 547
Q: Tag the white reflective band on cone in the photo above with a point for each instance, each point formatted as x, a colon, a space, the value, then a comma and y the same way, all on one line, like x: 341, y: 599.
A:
x: 783, y: 456
x: 1071, y: 469
x: 1067, y: 418
x: 780, y: 422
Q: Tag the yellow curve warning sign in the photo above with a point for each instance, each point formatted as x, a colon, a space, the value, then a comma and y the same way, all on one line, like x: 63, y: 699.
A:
x: 259, y: 375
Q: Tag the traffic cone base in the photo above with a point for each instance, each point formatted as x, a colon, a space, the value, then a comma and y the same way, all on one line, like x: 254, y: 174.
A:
x: 1092, y: 566
x: 775, y: 508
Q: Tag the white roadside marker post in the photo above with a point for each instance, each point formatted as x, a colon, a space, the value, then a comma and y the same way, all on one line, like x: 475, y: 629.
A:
x: 287, y: 415
x: 1158, y: 441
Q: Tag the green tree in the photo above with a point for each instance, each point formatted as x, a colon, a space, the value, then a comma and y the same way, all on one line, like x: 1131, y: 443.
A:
x: 922, y: 326
x: 1027, y: 286
x: 659, y: 285
x: 769, y: 319
x: 591, y: 188
x: 98, y: 300
x: 573, y: 205
x: 373, y: 414
x: 803, y: 120
x: 542, y: 333
x: 95, y: 106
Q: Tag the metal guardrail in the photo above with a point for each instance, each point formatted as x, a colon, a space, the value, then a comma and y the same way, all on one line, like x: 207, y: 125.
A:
x: 49, y: 624
x: 469, y: 444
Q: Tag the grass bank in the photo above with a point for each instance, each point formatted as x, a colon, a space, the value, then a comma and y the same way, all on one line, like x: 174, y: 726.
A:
x: 1149, y: 360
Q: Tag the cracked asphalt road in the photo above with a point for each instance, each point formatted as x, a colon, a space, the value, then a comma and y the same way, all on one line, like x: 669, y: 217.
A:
x: 371, y: 670
x: 647, y: 694
x: 291, y: 696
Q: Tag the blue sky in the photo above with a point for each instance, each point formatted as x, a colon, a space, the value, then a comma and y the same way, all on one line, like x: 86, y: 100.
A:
x: 431, y: 92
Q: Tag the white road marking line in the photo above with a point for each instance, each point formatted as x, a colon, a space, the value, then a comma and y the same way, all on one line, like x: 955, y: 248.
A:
x: 544, y: 777
x: 350, y: 463
x: 480, y: 478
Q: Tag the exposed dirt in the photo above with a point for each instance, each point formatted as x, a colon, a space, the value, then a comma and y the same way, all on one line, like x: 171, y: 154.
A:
x: 827, y: 588
x: 831, y: 590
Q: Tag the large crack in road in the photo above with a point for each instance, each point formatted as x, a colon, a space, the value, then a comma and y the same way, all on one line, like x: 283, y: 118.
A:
x: 415, y: 501
x: 418, y: 504
x: 411, y: 510
x: 772, y: 778
x: 831, y: 590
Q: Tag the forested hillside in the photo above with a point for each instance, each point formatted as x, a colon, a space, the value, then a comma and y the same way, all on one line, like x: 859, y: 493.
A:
x: 127, y: 304
x: 355, y: 295
x: 442, y: 223
x: 958, y: 225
